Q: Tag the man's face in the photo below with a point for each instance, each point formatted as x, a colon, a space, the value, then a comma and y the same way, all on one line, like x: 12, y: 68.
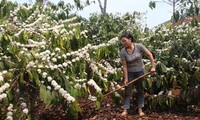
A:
x: 126, y: 42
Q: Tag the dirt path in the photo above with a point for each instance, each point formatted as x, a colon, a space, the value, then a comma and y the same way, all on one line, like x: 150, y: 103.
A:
x: 111, y: 111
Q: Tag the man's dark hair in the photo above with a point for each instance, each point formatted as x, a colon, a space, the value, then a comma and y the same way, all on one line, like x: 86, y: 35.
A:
x: 128, y: 36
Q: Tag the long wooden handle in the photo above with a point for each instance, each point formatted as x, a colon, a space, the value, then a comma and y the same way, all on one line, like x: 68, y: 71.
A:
x: 134, y: 80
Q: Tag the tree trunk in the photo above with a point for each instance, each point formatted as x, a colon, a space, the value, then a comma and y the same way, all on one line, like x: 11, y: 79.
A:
x: 100, y: 5
x: 31, y: 92
x: 173, y: 21
x: 103, y: 8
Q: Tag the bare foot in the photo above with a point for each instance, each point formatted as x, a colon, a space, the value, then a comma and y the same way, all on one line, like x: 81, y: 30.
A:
x: 124, y: 113
x: 141, y: 114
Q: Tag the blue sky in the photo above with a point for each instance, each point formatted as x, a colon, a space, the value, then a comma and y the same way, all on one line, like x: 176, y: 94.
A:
x: 160, y: 14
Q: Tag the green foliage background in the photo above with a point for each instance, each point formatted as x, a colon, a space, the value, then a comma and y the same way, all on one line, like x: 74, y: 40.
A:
x: 32, y: 38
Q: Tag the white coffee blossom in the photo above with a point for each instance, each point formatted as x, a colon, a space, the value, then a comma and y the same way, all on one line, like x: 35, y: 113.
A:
x: 59, y: 57
x: 10, y: 107
x: 57, y: 49
x: 77, y: 58
x: 57, y: 87
x: 77, y: 86
x: 54, y: 83
x: 84, y: 85
x: 52, y: 54
x: 9, y: 113
x: 64, y: 56
x: 73, y: 60
x: 70, y: 99
x: 7, y: 85
x: 4, y: 72
x: 92, y: 98
x: 4, y: 95
x: 60, y: 66
x: 25, y: 111
x: 185, y: 60
x: 4, y: 87
x: 169, y: 93
x: 49, y: 79
x: 44, y: 74
x: 23, y: 104
x: 54, y: 59
x: 49, y: 87
x: 93, y: 83
x: 68, y: 54
x: 37, y: 54
x: 161, y: 93
x: 65, y: 64
x: 61, y: 91
x: 69, y: 62
x: 39, y: 70
x: 117, y: 94
x: 51, y: 67
x: 9, y: 118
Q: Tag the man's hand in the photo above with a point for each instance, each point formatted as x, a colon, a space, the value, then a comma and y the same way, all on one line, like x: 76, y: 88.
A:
x: 152, y: 69
x: 125, y: 82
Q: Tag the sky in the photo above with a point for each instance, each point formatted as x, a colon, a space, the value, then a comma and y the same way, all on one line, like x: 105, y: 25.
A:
x: 160, y: 14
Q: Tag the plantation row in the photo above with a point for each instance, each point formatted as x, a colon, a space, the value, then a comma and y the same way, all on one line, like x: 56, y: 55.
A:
x: 53, y: 55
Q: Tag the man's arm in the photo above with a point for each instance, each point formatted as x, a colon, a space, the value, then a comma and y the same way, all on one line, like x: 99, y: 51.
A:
x: 151, y: 60
x: 125, y: 72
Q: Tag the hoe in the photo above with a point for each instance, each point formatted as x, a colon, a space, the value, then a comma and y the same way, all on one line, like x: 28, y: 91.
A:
x: 132, y: 81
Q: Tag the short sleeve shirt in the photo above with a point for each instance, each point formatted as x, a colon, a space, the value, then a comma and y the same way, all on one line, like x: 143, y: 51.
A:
x: 134, y: 61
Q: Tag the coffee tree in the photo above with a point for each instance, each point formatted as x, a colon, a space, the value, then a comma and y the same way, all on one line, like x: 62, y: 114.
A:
x: 49, y: 54
x: 177, y: 65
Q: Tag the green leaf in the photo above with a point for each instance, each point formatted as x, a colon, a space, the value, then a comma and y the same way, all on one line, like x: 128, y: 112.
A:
x: 1, y: 66
x: 183, y: 95
x: 167, y: 102
x: 30, y: 75
x: 21, y: 78
x: 35, y: 76
x: 161, y: 101
x: 98, y: 105
x: 5, y: 42
x: 149, y: 82
x: 5, y: 101
x: 163, y: 68
x: 197, y: 74
x: 45, y: 95
x: 154, y: 102
x: 1, y: 36
x: 56, y: 73
x: 22, y: 63
x: 158, y: 83
x: 105, y: 86
x: 170, y: 102
x: 29, y: 117
x: 197, y: 10
x: 174, y: 82
x: 74, y: 108
x: 99, y: 54
x: 176, y: 16
x: 9, y: 94
x: 5, y: 10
